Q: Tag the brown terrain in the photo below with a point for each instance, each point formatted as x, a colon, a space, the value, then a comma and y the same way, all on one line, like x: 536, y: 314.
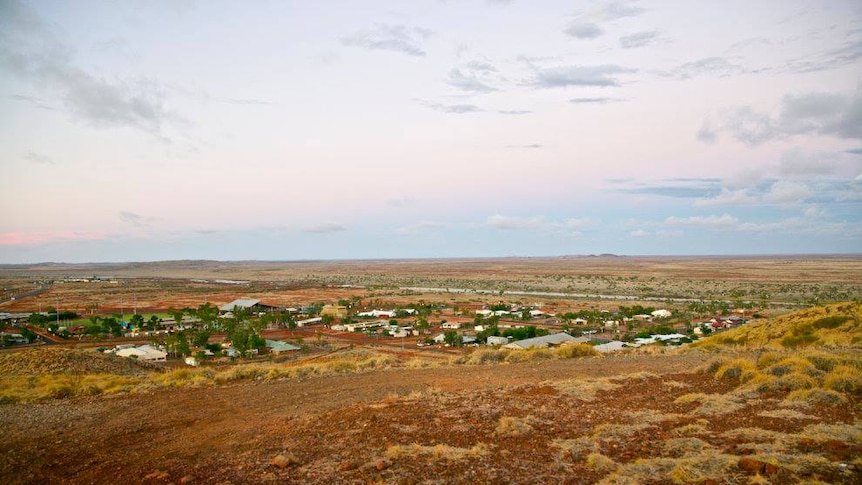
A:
x: 744, y: 414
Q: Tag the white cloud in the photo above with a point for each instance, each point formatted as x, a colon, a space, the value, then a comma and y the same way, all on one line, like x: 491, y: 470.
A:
x: 787, y: 192
x: 728, y: 197
x: 420, y: 227
x: 724, y: 221
x: 395, y: 38
x: 800, y: 162
x: 639, y: 233
x: 326, y: 228
x: 507, y: 223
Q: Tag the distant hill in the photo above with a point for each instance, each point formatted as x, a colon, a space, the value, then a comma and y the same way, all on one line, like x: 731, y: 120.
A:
x: 837, y: 325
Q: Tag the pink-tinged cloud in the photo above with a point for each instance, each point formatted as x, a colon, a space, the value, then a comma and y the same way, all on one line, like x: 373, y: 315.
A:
x: 32, y: 238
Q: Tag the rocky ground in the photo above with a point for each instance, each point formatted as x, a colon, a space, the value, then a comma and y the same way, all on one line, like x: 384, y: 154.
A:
x: 619, y: 419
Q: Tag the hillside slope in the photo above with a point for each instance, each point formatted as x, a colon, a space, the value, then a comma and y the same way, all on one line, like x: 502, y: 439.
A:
x: 838, y: 325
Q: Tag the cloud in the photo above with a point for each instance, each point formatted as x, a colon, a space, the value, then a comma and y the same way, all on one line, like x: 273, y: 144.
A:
x: 584, y: 30
x: 249, y: 102
x: 787, y: 192
x: 846, y: 54
x: 587, y: 25
x: 640, y: 39
x: 712, y: 221
x: 780, y: 192
x: 29, y: 49
x: 597, y: 100
x: 326, y: 228
x: 677, y: 188
x: 37, y: 158
x: 639, y: 233
x: 400, y: 202
x: 454, y: 108
x: 38, y: 102
x: 531, y: 145
x: 467, y: 80
x: 134, y: 219
x: 514, y: 112
x: 395, y: 38
x: 854, y: 151
x: 510, y: 223
x: 710, y: 66
x: 799, y: 162
x: 507, y: 223
x: 830, y: 114
x: 566, y: 76
x: 706, y: 133
x: 728, y: 197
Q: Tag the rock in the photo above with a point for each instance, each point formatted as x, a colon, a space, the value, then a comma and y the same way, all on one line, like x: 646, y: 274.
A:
x: 187, y: 479
x: 157, y: 475
x: 348, y: 465
x: 284, y: 460
x: 756, y: 466
x: 382, y: 465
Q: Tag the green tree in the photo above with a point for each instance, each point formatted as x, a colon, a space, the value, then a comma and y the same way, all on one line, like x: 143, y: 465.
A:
x: 453, y: 338
x: 137, y: 321
x: 422, y: 324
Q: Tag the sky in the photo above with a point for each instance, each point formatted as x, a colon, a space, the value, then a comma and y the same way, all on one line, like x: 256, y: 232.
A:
x: 145, y: 130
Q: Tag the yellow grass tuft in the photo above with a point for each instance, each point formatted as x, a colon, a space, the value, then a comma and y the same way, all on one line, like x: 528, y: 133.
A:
x: 584, y: 389
x: 436, y: 452
x: 510, y: 426
x: 711, y: 404
x: 844, y: 378
x: 601, y: 463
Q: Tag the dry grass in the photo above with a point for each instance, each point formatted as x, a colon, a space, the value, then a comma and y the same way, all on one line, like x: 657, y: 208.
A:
x: 583, y: 389
x: 601, y: 463
x: 614, y: 431
x: 511, y: 426
x: 696, y: 428
x: 27, y: 388
x: 680, y: 447
x: 832, y: 326
x: 711, y: 404
x: 786, y: 414
x: 436, y: 452
x: 691, y: 469
x: 576, y: 448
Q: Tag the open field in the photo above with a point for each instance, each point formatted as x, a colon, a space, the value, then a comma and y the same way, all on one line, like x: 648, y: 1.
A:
x: 157, y: 286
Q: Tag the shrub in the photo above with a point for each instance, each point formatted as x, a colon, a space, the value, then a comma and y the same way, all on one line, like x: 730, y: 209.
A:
x: 575, y: 350
x: 511, y: 426
x: 734, y: 369
x: 830, y: 322
x: 816, y: 396
x: 844, y: 378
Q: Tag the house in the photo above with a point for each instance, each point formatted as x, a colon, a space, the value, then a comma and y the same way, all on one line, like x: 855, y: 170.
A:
x: 495, y: 340
x: 144, y: 352
x: 484, y: 313
x: 308, y: 321
x: 452, y: 325
x: 192, y: 361
x: 579, y: 321
x: 377, y: 314
x: 545, y: 341
x: 611, y: 346
x: 662, y: 313
x: 335, y: 311
x: 277, y: 346
x: 245, y: 303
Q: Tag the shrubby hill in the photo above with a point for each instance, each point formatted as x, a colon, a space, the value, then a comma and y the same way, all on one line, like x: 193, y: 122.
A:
x: 838, y: 325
